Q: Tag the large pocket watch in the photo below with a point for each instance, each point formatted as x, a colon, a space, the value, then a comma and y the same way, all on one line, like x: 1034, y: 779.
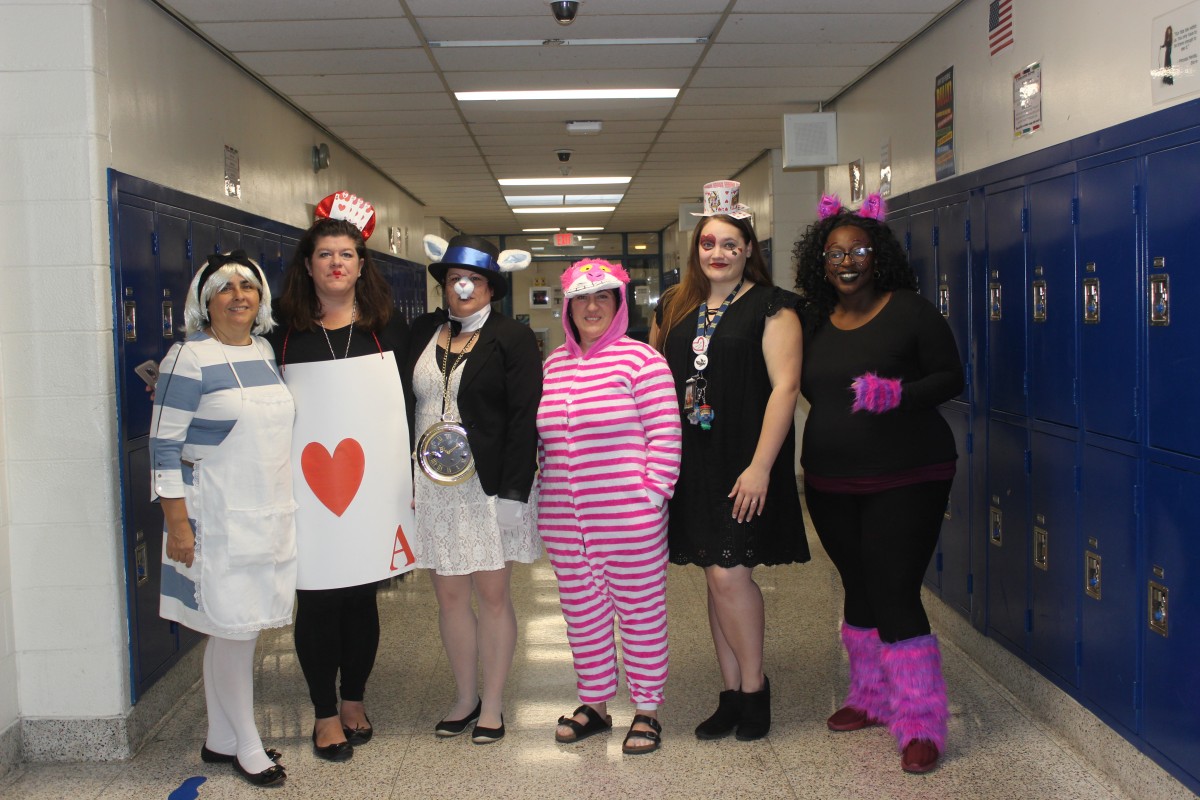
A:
x: 444, y: 454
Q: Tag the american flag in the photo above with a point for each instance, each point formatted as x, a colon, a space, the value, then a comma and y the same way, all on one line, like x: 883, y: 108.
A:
x: 1000, y: 25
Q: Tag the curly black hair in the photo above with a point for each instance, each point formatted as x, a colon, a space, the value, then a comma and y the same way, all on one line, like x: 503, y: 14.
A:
x: 892, y: 270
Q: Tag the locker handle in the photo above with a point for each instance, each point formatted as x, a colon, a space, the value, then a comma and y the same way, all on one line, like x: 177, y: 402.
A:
x: 996, y: 526
x: 1091, y: 575
x: 1160, y: 300
x: 1091, y: 301
x: 1157, y: 608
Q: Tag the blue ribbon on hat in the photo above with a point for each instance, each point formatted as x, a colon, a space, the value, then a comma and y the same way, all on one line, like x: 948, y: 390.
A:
x: 469, y: 257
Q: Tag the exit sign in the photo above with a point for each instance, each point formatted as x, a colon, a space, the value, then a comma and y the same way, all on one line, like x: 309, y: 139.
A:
x: 564, y: 239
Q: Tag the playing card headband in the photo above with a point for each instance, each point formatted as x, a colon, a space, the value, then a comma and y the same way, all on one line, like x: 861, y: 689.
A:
x: 353, y: 209
x: 872, y: 208
x: 721, y: 197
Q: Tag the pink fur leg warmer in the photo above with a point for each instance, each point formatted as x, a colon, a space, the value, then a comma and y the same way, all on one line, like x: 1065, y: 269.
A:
x: 875, y: 394
x: 868, y: 688
x: 919, y: 708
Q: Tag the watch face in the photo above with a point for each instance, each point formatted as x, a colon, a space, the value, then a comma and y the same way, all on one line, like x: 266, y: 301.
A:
x: 445, y: 454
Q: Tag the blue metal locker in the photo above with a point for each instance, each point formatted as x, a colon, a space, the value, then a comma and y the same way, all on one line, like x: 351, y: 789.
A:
x: 922, y: 232
x: 1171, y: 630
x: 1173, y: 296
x: 155, y: 639
x: 1054, y: 561
x: 205, y: 240
x: 1111, y: 603
x: 955, y: 542
x: 951, y: 290
x: 1006, y: 305
x: 1007, y: 534
x: 1108, y: 298
x: 174, y: 273
x: 1050, y: 297
x: 139, y: 336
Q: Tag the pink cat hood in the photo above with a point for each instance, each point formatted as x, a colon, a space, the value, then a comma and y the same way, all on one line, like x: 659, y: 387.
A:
x: 589, y: 276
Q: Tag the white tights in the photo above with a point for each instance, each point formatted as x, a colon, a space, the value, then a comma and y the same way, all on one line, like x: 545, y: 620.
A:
x: 229, y: 695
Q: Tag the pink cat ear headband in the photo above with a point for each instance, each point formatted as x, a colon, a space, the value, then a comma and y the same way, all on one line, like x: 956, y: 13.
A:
x: 872, y: 208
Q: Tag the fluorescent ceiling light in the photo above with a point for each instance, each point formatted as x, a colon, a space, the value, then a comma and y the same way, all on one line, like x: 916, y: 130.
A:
x: 588, y: 247
x: 537, y: 248
x: 571, y: 94
x: 585, y: 229
x: 534, y: 199
x: 566, y: 42
x: 540, y: 230
x: 560, y: 181
x: 531, y: 239
x: 566, y: 210
x: 592, y: 199
x: 639, y: 247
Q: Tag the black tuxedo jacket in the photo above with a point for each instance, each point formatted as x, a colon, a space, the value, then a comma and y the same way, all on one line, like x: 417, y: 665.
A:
x: 498, y: 400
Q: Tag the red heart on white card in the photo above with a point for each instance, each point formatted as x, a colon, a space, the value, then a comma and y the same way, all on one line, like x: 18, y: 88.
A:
x: 334, y: 479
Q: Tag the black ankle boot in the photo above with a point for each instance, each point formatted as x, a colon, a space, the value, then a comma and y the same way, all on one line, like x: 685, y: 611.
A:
x: 724, y: 719
x: 756, y: 713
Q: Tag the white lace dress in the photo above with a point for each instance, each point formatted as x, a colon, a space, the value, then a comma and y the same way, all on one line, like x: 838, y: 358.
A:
x: 457, y: 532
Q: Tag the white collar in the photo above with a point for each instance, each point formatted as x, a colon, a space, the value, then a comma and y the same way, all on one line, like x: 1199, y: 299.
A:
x: 475, y: 321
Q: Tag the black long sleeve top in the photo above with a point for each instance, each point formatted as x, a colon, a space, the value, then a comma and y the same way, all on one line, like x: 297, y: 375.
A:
x: 908, y: 339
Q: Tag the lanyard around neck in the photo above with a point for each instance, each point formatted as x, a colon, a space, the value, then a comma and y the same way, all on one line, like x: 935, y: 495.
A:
x: 705, y: 327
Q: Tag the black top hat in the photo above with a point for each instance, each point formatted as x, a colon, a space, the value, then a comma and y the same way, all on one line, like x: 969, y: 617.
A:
x: 476, y: 254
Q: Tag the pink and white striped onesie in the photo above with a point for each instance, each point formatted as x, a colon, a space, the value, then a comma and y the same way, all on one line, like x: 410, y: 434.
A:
x: 609, y: 454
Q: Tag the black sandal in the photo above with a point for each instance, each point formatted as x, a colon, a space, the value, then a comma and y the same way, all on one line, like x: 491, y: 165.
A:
x: 595, y: 724
x: 654, y: 735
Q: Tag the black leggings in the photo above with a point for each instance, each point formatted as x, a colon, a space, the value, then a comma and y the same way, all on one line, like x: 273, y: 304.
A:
x: 881, y: 544
x: 336, y: 629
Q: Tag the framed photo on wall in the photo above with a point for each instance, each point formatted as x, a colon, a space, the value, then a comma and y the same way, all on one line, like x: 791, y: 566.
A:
x: 539, y: 297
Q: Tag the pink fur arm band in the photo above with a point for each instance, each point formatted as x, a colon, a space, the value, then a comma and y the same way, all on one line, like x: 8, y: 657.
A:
x: 875, y: 394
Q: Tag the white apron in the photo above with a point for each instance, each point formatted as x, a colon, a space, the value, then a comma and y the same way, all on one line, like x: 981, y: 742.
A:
x: 352, y: 476
x: 241, y: 499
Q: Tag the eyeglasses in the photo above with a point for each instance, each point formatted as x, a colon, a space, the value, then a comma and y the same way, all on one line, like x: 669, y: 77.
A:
x: 858, y: 255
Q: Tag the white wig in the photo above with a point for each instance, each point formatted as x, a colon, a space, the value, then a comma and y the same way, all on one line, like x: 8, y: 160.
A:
x: 215, y: 276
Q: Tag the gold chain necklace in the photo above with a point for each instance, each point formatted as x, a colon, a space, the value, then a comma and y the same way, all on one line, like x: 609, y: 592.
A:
x: 448, y: 370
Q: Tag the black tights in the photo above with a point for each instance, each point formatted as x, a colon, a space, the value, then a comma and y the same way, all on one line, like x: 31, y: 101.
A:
x: 336, y: 629
x: 881, y: 544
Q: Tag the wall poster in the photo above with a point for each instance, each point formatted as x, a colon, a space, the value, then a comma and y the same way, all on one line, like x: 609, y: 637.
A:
x: 1175, y: 53
x: 1027, y: 101
x: 943, y: 124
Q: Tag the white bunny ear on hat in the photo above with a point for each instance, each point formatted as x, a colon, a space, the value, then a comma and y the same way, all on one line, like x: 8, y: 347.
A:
x: 435, y: 247
x: 513, y: 260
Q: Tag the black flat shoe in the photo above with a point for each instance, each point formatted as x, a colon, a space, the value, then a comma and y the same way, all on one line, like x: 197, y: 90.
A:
x: 337, y: 752
x: 271, y: 776
x: 213, y: 757
x: 454, y: 727
x: 482, y: 735
x: 357, y: 736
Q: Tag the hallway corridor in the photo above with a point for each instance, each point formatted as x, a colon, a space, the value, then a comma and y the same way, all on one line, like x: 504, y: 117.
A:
x: 994, y: 750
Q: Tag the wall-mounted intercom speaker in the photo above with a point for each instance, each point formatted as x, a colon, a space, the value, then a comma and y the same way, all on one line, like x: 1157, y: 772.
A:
x: 809, y: 140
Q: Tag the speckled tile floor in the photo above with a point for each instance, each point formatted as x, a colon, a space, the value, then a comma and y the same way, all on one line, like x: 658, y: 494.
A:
x: 994, y: 750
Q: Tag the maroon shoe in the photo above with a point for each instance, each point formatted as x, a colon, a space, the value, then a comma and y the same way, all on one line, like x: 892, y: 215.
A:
x: 920, y: 755
x: 849, y: 718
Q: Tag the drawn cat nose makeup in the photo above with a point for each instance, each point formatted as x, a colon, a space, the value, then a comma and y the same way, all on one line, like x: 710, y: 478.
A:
x: 464, y: 288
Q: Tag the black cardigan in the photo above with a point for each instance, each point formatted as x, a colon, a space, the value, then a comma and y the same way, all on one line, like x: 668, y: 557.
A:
x: 498, y: 399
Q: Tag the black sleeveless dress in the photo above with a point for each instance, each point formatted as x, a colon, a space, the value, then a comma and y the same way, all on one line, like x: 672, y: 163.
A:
x: 702, y: 528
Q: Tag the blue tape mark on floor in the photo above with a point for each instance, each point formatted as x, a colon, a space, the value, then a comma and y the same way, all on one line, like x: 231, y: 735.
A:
x: 188, y: 790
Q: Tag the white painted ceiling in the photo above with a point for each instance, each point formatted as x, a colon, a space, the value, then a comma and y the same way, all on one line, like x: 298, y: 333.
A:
x: 364, y: 70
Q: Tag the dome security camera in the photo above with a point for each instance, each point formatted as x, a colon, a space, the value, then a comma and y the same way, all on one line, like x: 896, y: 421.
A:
x: 564, y: 155
x: 564, y: 11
